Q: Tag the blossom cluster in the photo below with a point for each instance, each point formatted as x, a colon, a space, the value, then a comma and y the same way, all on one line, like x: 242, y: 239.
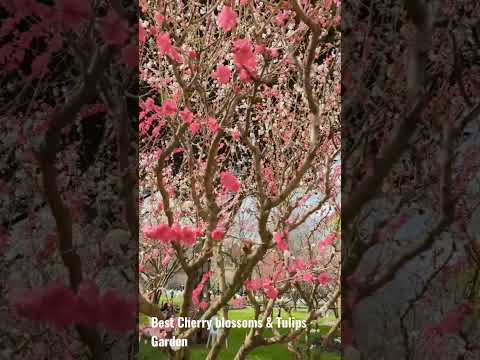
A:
x: 60, y: 307
x: 265, y: 285
x: 173, y: 234
x: 203, y: 305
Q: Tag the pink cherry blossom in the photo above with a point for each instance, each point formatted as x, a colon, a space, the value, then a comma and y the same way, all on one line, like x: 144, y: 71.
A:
x: 164, y: 43
x: 244, y: 76
x: 323, y: 279
x: 118, y: 314
x: 218, y: 234
x: 89, y: 303
x: 165, y: 47
x: 166, y: 234
x: 260, y: 48
x: 57, y: 305
x: 159, y: 18
x: 185, y: 235
x: 272, y: 53
x: 269, y: 176
x: 227, y: 19
x: 280, y: 241
x: 187, y: 116
x: 327, y: 241
x: 235, y: 134
x: 156, y: 131
x: 169, y: 108
x: 203, y: 305
x: 142, y: 36
x: 52, y: 304
x: 161, y: 232
x: 199, y: 288
x: 193, y: 54
x: 212, y: 125
x: 207, y: 276
x: 194, y: 127
x: 196, y: 294
x: 282, y: 18
x: 244, y: 58
x: 271, y: 292
x: 153, y: 32
x: 308, y: 277
x: 297, y: 265
x: 166, y: 259
x: 159, y: 331
x: 222, y: 74
x: 229, y: 182
x: 253, y: 285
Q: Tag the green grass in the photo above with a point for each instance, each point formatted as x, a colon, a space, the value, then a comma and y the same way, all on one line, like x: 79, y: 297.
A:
x: 235, y: 339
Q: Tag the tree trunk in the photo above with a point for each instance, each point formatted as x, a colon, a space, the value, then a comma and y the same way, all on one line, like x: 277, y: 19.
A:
x: 331, y: 332
x: 247, y: 346
x: 295, y: 353
x: 156, y: 296
x: 335, y: 311
x: 148, y: 308
x: 217, y: 347
x: 244, y: 350
x: 183, y: 354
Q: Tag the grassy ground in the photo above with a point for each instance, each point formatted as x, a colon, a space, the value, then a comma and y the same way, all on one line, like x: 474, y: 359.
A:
x: 235, y: 339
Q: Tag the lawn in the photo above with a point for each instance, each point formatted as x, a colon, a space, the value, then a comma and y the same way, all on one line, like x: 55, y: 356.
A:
x: 235, y: 339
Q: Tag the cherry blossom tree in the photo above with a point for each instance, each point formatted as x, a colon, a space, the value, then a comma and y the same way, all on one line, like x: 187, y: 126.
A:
x: 239, y: 119
x: 410, y: 123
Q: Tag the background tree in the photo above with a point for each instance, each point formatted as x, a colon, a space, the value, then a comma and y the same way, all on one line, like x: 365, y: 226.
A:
x: 68, y: 207
x: 409, y: 196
